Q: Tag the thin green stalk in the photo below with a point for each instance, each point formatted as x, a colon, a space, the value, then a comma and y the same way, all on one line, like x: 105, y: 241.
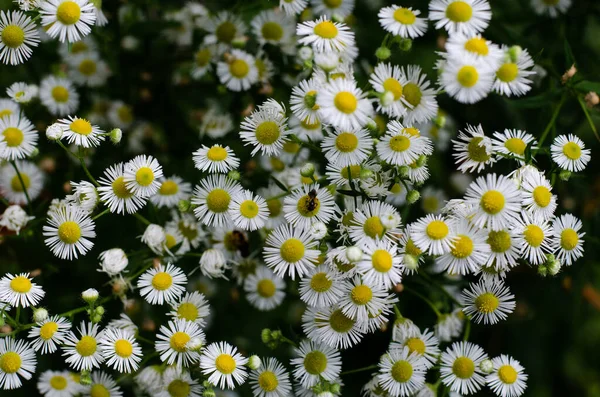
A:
x: 588, y: 116
x: 14, y: 165
x: 467, y: 330
x: 142, y: 219
x: 87, y: 172
x: 424, y: 299
x: 354, y: 371
x: 100, y: 214
x: 551, y: 123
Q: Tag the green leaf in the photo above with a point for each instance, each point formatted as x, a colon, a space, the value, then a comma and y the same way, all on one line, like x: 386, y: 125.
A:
x: 528, y: 152
x: 569, y: 57
x: 279, y: 184
x: 587, y: 86
x: 350, y: 193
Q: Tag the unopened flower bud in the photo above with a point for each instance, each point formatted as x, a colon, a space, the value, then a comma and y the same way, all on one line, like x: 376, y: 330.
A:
x: 553, y: 265
x: 413, y: 196
x: 390, y: 221
x: 372, y: 126
x: 239, y: 42
x: 184, y: 205
x: 403, y: 171
x: 209, y: 393
x: 307, y: 170
x: 40, y: 314
x: 569, y: 74
x: 235, y: 175
x: 591, y: 99
x: 514, y: 53
x: 405, y: 44
x: 440, y: 121
x: 411, y: 262
x: 265, y: 335
x: 335, y: 388
x: 194, y: 344
x: 318, y: 230
x: 90, y: 295
x: 327, y: 61
x: 116, y: 135
x: 486, y: 366
x: 365, y: 173
x: 99, y: 310
x: 422, y: 160
x: 383, y: 53
x: 254, y: 362
x: 85, y: 378
x: 54, y: 132
x: 387, y: 98
x: 542, y: 270
x: 305, y: 53
x: 354, y: 254
x: 565, y: 175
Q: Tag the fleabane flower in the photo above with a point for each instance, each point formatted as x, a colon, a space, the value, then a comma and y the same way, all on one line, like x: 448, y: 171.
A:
x: 569, y: 152
x: 141, y: 175
x: 314, y: 361
x: 513, y: 75
x: 239, y: 72
x: 223, y: 365
x: 266, y: 130
x: 468, y: 249
x: 270, y: 380
x: 402, y: 21
x: 488, y: 302
x: 172, y: 342
x: 68, y: 20
x: 120, y: 350
x: 473, y: 149
x: 264, y: 289
x: 460, y: 16
x: 69, y: 231
x: 508, y: 377
x: 215, y: 159
x: 49, y: 334
x: 18, y: 33
x: 388, y: 79
x: 309, y: 204
x: 381, y: 265
x: 81, y: 132
x: 115, y: 194
x: 512, y: 144
x: 162, y: 284
x: 324, y: 35
x: 83, y: 352
x: 17, y: 360
x: 171, y: 191
x: 493, y: 201
x: 460, y: 369
x: 345, y: 148
x: 403, y: 145
x: 567, y: 238
x: 289, y: 250
x: 343, y: 105
x: 59, y: 96
x: 467, y: 80
x: 213, y: 198
x: 248, y: 211
x: 402, y: 373
x: 18, y: 290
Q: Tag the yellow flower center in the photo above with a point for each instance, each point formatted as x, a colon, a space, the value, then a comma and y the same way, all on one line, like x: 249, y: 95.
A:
x: 399, y: 143
x: 178, y: 388
x: 5, y: 112
x: 515, y: 145
x: 345, y: 102
x: 168, y: 188
x: 572, y: 151
x: 463, y: 247
x: 10, y: 362
x: 354, y: 172
x: 499, y: 241
x: 534, y: 235
x: 412, y: 249
x: 68, y: 13
x: 467, y: 76
x: 272, y: 31
x: 78, y: 47
x: 86, y: 346
x: 402, y: 371
x: 69, y: 232
x: 308, y: 206
x: 361, y: 294
x: 477, y: 45
x: 437, y: 230
x: 239, y: 68
x: 274, y: 207
x: 225, y: 364
x: 373, y: 227
x: 81, y: 127
x: 333, y: 3
x: 15, y: 182
x: 381, y: 261
x: 162, y: 281
x: 13, y: 136
x: 268, y: 381
x: 392, y: 85
x: 125, y: 114
x: 203, y: 57
x: 216, y: 153
x: 99, y: 390
x: 48, y: 330
x: 487, y: 302
x: 179, y: 341
x: 326, y: 30
x: 310, y: 126
x: 292, y: 250
x: 507, y: 72
x: 189, y: 231
x: 226, y: 32
x: 218, y: 200
x: 542, y: 196
x: 60, y: 94
x: 87, y: 67
x: 404, y: 16
x: 187, y: 311
x: 291, y: 147
x: 340, y: 323
x: 320, y: 282
x: 249, y: 209
x: 315, y: 362
x: 412, y: 131
x: 20, y: 284
x: 123, y: 348
x: 430, y: 204
x: 58, y: 382
x: 507, y: 374
x: 492, y: 202
x: 412, y: 94
x: 459, y: 11
x: 144, y: 176
x: 477, y: 151
x: 267, y: 132
x: 463, y: 367
x: 569, y: 239
x: 12, y: 36
x: 265, y: 288
x: 416, y: 345
x: 119, y: 188
x: 170, y: 241
x: 346, y: 142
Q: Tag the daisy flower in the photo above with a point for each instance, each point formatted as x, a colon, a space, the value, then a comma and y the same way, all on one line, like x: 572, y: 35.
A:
x: 512, y: 143
x: 309, y: 204
x: 266, y: 130
x: 401, y: 373
x: 8, y: 107
x: 513, y: 76
x: 473, y: 149
x: 289, y: 250
x: 449, y: 325
x: 171, y: 191
x: 567, y: 238
x: 150, y: 379
x: 13, y: 188
x: 315, y: 360
x: 493, y: 201
x: 402, y: 21
x: 347, y: 147
x: 216, y: 124
x: 193, y: 306
x: 215, y: 159
x: 324, y: 35
x: 321, y: 287
x: 114, y: 192
x: 178, y: 382
x: 203, y: 61
x: 17, y: 360
x: 84, y: 196
x: 273, y: 27
x: 370, y: 223
x: 569, y: 152
x: 432, y: 200
x: 337, y: 260
x: 188, y: 226
x: 418, y: 96
x: 124, y: 323
x: 339, y: 8
x: 120, y: 350
x: 248, y: 211
x: 306, y: 131
x: 466, y: 80
x: 362, y: 300
x: 81, y: 132
x: 68, y: 20
x: 504, y: 252
x: 388, y: 78
x: 488, y: 302
x: 223, y: 28
x: 380, y: 264
x: 20, y: 291
x: 141, y: 176
x: 469, y: 249
x: 213, y: 198
x: 343, y: 105
x: 120, y: 115
x: 103, y: 385
x: 88, y: 69
x: 474, y: 47
x: 293, y: 7
x: 238, y: 72
x: 83, y: 353
x: 424, y: 344
x: 552, y: 8
x: 264, y: 290
x: 402, y: 146
x: 49, y: 334
x: 18, y: 33
x: 22, y: 92
x: 533, y: 236
x: 223, y: 365
x: 270, y: 380
x: 432, y: 234
x: 460, y: 369
x: 57, y: 384
x: 58, y: 95
x: 303, y: 101
x: 172, y: 342
x: 538, y: 199
x: 68, y: 232
x: 162, y: 285
x: 331, y: 326
x: 418, y: 173
x: 508, y: 378
x: 460, y: 16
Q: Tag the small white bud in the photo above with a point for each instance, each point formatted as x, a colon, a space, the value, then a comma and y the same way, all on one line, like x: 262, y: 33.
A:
x: 390, y: 221
x: 213, y: 263
x: 116, y: 135
x: 486, y: 366
x: 54, y: 132
x: 90, y: 295
x: 113, y: 261
x: 327, y: 60
x: 14, y: 218
x: 305, y: 53
x: 318, y: 230
x: 194, y: 344
x: 254, y: 362
x: 155, y: 238
x: 307, y: 170
x: 354, y: 254
x: 411, y: 262
x: 40, y: 315
x: 387, y: 98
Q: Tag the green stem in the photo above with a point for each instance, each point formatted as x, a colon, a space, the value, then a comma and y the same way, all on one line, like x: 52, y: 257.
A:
x: 141, y: 338
x: 142, y: 270
x: 354, y: 371
x: 100, y: 214
x: 588, y: 116
x: 14, y: 165
x: 142, y: 219
x: 87, y: 172
x: 424, y: 299
x: 467, y: 330
x: 552, y: 121
x: 440, y: 287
